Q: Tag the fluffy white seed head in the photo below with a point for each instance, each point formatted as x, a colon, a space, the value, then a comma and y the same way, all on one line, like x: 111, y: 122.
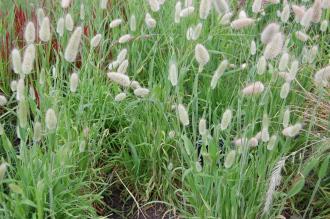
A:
x: 119, y: 78
x: 95, y: 41
x: 37, y: 131
x: 122, y: 55
x: 202, y: 128
x: 284, y: 61
x: 22, y: 113
x: 13, y: 85
x: 177, y: 17
x: 218, y: 73
x: 16, y: 61
x: 74, y: 80
x: 241, y: 23
x: 324, y: 25
x: 225, y: 20
x: 30, y: 33
x: 132, y: 23
x: 154, y: 5
x: 3, y: 100
x: 60, y: 26
x: 82, y: 12
x: 20, y: 90
x: 116, y: 23
x: 72, y: 48
x: 135, y: 85
x: 292, y: 131
x: 197, y: 31
x: 285, y: 89
x: 44, y: 32
x: 299, y: 12
x: 40, y: 15
x: 285, y: 15
x: 103, y: 4
x: 65, y: 3
x: 253, y: 48
x: 286, y: 117
x: 221, y: 6
x: 187, y: 11
x: 307, y: 18
x: 272, y: 142
x: 274, y: 47
x: 261, y: 65
x: 173, y: 73
x: 205, y: 8
x: 226, y: 119
x: 253, y: 88
x: 28, y: 59
x: 120, y: 97
x: 150, y: 22
x: 302, y: 36
x: 256, y: 6
x: 51, y: 120
x: 293, y: 69
x: 322, y: 77
x: 113, y: 65
x: 183, y: 115
x: 69, y: 23
x: 230, y: 159
x: 123, y: 67
x: 141, y: 92
x: 326, y: 4
x: 317, y: 11
x: 125, y: 38
x: 202, y: 56
x: 268, y: 32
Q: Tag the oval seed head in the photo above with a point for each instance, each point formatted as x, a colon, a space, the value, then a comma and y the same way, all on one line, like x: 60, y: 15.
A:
x: 202, y: 56
x: 123, y: 67
x: 44, y: 32
x: 204, y: 8
x: 122, y: 55
x: 132, y: 23
x: 256, y: 6
x: 274, y: 47
x: 3, y: 170
x: 150, y: 22
x: 20, y: 90
x: 313, y: 54
x: 74, y: 80
x: 292, y: 131
x: 299, y: 12
x: 253, y: 88
x: 125, y: 38
x: 51, y: 120
x: 40, y: 15
x: 261, y: 65
x: 317, y: 11
x: 95, y: 41
x: 16, y: 61
x: 30, y: 33
x: 230, y: 159
x: 286, y: 117
x: 265, y: 135
x: 253, y: 142
x: 115, y: 23
x: 226, y: 119
x: 28, y: 59
x: 183, y: 115
x: 103, y: 4
x: 307, y: 18
x: 322, y: 77
x: 302, y: 36
x: 285, y: 89
x: 69, y: 23
x: 178, y: 7
x: 173, y: 73
x: 326, y: 4
x: 197, y: 31
x: 22, y: 113
x: 119, y: 78
x: 253, y: 48
x: 241, y: 23
x: 13, y: 86
x: 82, y: 12
x: 202, y: 126
x: 218, y: 73
x: 120, y: 97
x: 60, y: 26
x: 269, y: 31
x: 135, y: 85
x: 285, y: 15
x: 154, y: 5
x: 190, y: 33
x: 284, y: 61
x: 324, y: 26
x: 221, y: 6
x: 65, y: 3
x: 3, y: 100
x: 293, y: 70
x: 225, y: 20
x: 72, y: 48
x: 187, y: 11
x: 272, y: 142
x: 113, y: 65
x: 141, y: 92
x: 37, y: 131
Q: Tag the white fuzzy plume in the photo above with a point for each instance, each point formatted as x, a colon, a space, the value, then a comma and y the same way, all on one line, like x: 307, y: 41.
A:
x: 72, y: 48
